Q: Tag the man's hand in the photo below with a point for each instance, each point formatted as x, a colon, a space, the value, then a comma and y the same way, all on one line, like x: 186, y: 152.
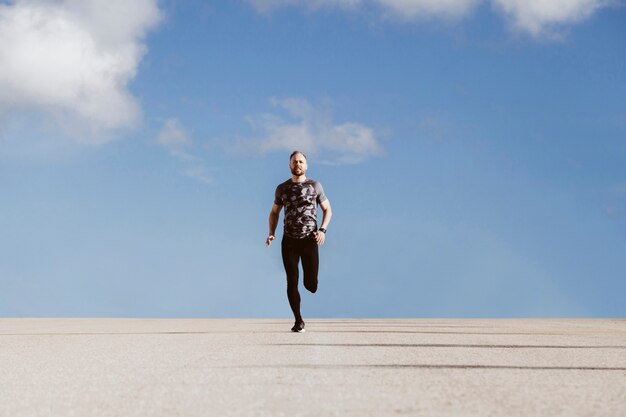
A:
x: 320, y: 237
x: 269, y: 239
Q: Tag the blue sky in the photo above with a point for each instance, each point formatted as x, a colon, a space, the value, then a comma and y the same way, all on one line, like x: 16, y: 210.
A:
x: 474, y: 153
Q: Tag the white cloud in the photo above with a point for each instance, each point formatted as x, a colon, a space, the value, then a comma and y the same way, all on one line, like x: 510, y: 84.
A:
x: 412, y: 9
x: 534, y: 17
x: 266, y: 6
x: 405, y: 9
x: 199, y: 173
x: 174, y: 138
x: 72, y: 60
x: 173, y: 135
x: 312, y: 130
x: 541, y: 17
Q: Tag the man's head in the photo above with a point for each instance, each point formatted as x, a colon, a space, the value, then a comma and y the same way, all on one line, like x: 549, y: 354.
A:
x: 297, y: 163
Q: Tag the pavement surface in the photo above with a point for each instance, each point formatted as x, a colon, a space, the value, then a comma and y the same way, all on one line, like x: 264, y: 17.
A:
x: 339, y: 367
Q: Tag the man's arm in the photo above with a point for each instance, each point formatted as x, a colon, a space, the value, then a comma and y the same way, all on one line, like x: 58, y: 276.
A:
x: 273, y: 222
x: 327, y: 215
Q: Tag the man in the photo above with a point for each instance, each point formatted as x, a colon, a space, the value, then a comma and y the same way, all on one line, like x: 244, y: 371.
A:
x: 299, y: 196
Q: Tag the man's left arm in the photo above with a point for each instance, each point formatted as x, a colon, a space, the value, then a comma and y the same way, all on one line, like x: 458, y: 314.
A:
x: 327, y: 215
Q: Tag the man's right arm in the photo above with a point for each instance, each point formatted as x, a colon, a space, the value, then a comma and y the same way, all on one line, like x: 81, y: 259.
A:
x: 273, y: 222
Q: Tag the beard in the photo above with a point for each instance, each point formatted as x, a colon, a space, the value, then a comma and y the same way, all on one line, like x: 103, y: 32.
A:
x: 298, y: 171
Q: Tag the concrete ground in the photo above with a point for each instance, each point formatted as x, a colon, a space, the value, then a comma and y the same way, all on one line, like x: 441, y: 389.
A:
x: 136, y: 367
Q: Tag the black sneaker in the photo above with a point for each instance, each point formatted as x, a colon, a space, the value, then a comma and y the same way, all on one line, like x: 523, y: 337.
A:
x: 298, y: 327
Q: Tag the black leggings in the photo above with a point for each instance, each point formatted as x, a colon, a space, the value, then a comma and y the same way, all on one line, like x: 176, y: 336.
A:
x: 293, y: 250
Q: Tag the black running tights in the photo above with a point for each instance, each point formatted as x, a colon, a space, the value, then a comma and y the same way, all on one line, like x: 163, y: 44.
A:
x: 293, y: 250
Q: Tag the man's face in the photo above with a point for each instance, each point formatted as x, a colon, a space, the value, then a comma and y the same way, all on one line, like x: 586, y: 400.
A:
x: 298, y: 164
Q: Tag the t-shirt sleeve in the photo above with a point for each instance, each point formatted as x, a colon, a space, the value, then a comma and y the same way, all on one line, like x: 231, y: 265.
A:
x: 319, y: 190
x: 277, y: 200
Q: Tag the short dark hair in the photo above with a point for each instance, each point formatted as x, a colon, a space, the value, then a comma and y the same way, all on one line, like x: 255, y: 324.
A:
x: 295, y: 153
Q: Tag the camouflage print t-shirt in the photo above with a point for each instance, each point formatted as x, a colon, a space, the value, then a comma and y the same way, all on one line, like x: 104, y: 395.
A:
x: 300, y: 200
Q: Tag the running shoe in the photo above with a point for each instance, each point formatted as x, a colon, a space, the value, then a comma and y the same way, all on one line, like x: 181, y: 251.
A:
x: 298, y: 327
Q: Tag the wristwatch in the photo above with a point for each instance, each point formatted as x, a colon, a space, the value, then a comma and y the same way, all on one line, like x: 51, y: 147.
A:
x: 322, y: 230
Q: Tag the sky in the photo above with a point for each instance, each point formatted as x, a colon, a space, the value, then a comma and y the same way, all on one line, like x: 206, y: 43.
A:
x: 473, y: 151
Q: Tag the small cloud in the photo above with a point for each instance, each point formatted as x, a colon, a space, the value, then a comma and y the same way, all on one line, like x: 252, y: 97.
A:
x: 538, y: 18
x: 545, y: 17
x: 417, y: 9
x: 268, y: 6
x: 173, y: 136
x: 199, y: 173
x: 312, y: 130
x: 404, y: 9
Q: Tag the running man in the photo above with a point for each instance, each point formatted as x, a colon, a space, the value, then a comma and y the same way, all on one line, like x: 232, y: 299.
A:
x: 301, y: 237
